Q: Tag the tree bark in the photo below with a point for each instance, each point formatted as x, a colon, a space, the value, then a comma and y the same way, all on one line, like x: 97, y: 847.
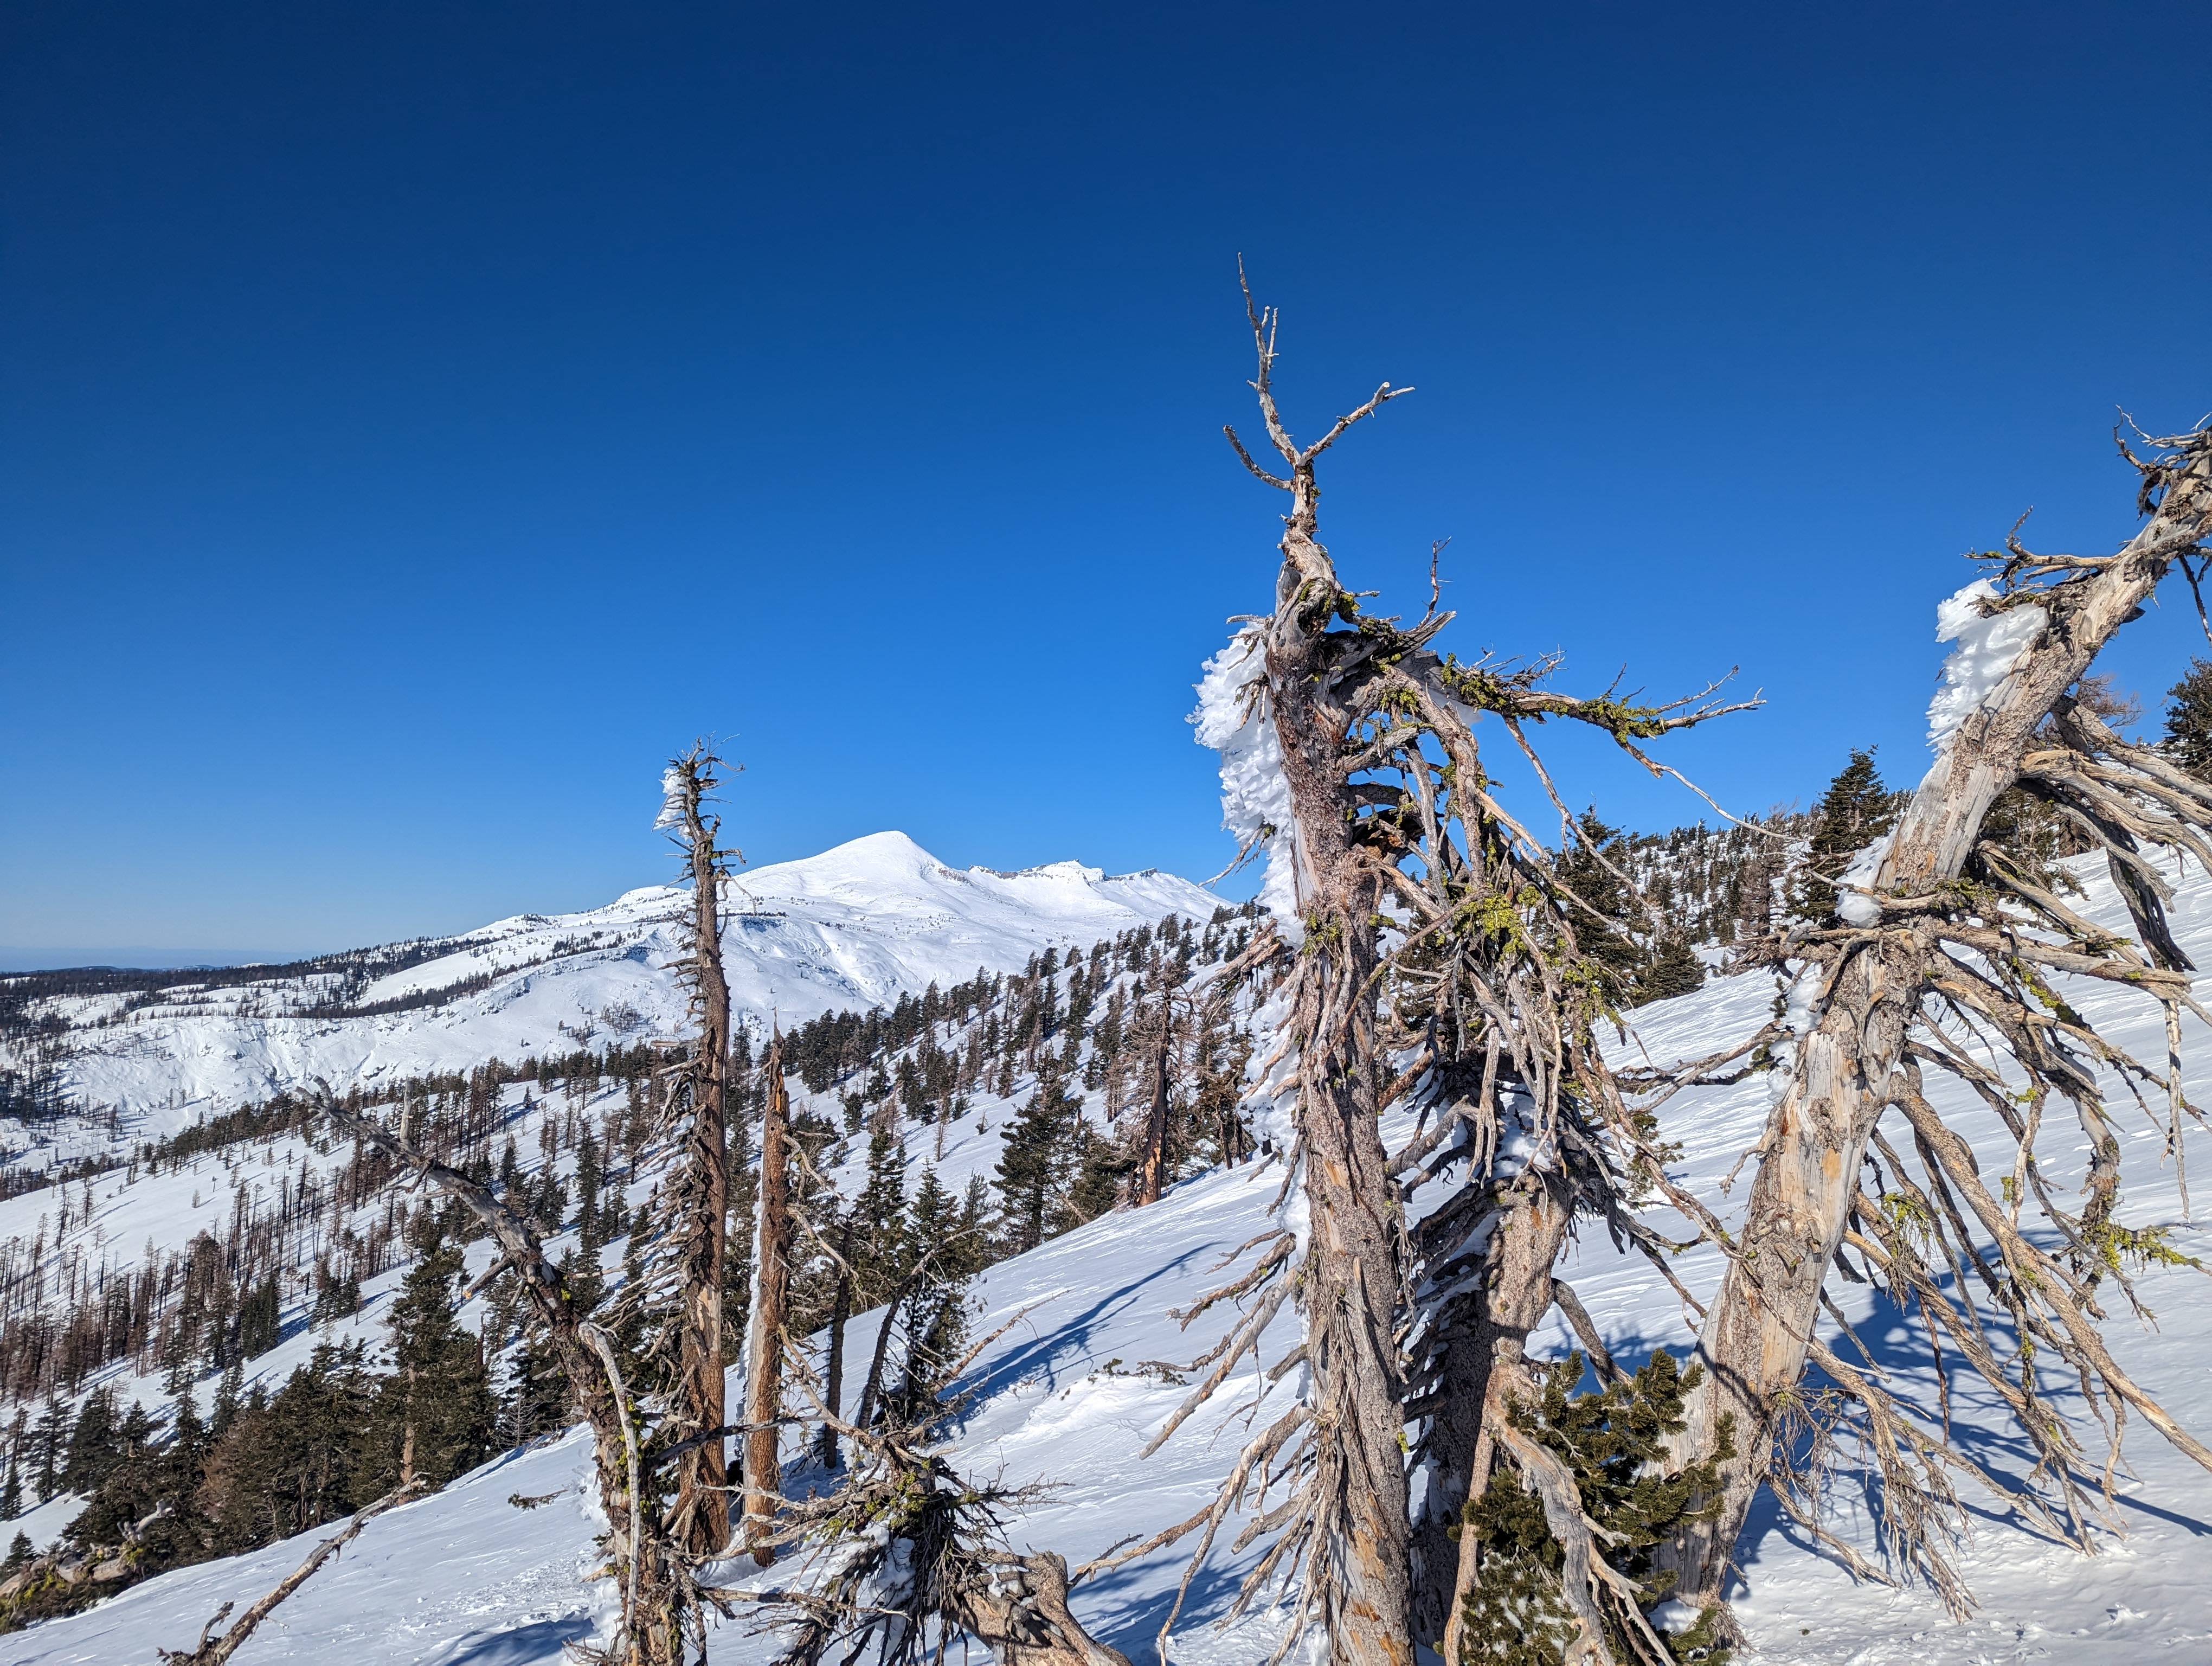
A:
x: 1361, y: 1547
x: 1152, y: 1172
x: 1515, y: 1295
x: 1759, y: 1328
x: 763, y: 1465
x: 701, y: 1514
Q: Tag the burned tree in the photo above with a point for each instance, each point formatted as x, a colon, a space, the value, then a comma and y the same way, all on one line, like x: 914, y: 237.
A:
x: 1947, y: 951
x: 1435, y: 954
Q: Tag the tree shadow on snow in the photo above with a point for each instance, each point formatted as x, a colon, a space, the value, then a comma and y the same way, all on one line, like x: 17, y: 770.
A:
x: 1042, y: 1356
x: 522, y: 1645
x: 1981, y: 1429
x: 1126, y: 1608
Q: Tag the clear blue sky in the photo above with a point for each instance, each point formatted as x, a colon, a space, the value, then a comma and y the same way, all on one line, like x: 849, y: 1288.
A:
x: 415, y: 421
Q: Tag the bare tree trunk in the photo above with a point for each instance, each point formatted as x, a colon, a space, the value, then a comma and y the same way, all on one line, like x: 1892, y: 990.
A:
x: 1759, y: 1329
x: 701, y: 1514
x: 651, y: 1602
x: 1152, y: 1171
x: 764, y: 1340
x: 1357, y: 1552
x: 1022, y: 1617
x: 841, y: 1314
x: 1515, y: 1295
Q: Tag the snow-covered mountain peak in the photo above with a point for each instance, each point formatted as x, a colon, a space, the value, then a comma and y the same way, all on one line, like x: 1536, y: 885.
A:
x: 852, y: 928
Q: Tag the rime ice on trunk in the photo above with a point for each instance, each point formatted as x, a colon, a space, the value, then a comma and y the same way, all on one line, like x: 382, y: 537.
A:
x: 1347, y: 751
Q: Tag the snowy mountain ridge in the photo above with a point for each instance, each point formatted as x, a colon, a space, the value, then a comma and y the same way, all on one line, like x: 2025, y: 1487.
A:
x: 855, y: 926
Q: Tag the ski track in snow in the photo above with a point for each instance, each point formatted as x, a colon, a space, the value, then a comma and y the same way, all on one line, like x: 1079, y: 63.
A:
x: 464, y: 1578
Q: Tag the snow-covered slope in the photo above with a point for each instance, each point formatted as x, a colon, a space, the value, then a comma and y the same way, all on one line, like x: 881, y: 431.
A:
x: 854, y: 926
x: 1074, y: 1391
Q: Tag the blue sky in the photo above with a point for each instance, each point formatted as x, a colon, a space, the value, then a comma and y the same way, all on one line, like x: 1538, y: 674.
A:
x: 415, y: 421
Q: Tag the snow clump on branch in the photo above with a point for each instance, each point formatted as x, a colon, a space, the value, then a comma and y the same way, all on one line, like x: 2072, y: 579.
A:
x: 1989, y: 645
x: 672, y: 799
x: 1232, y: 718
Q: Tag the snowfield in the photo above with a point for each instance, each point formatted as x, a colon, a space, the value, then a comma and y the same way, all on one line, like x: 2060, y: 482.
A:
x: 1083, y: 1379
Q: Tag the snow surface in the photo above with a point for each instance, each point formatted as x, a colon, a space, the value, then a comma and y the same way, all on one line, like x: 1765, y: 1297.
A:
x: 1070, y: 1395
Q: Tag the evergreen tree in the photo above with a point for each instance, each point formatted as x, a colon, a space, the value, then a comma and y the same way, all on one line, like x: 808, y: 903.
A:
x: 260, y: 1319
x: 11, y: 1493
x: 935, y: 1319
x: 1675, y: 969
x: 589, y: 1176
x: 432, y: 1418
x: 292, y: 1462
x: 1098, y: 1185
x: 536, y: 1398
x: 881, y: 1248
x: 1615, y: 1442
x: 1039, y: 1157
x: 1855, y: 812
x: 2188, y: 721
x: 49, y: 1438
x: 1586, y: 868
x: 91, y: 1444
x: 226, y: 1402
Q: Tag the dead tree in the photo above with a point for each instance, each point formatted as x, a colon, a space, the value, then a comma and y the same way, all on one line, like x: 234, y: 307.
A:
x: 214, y: 1651
x: 763, y: 1465
x: 661, y: 1603
x: 1152, y: 1154
x: 700, y: 1196
x: 1406, y: 878
x: 907, y: 1558
x: 1949, y: 949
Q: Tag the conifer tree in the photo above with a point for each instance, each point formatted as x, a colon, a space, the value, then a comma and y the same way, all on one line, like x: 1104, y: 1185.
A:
x: 1587, y: 867
x: 432, y: 1418
x: 880, y: 1246
x: 1036, y: 1164
x: 2188, y: 721
x: 1675, y: 969
x: 1855, y: 812
x: 1098, y: 1185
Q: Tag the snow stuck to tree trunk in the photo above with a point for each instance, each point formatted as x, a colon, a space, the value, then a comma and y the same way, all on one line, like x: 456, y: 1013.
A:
x: 1988, y: 646
x: 1232, y: 718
